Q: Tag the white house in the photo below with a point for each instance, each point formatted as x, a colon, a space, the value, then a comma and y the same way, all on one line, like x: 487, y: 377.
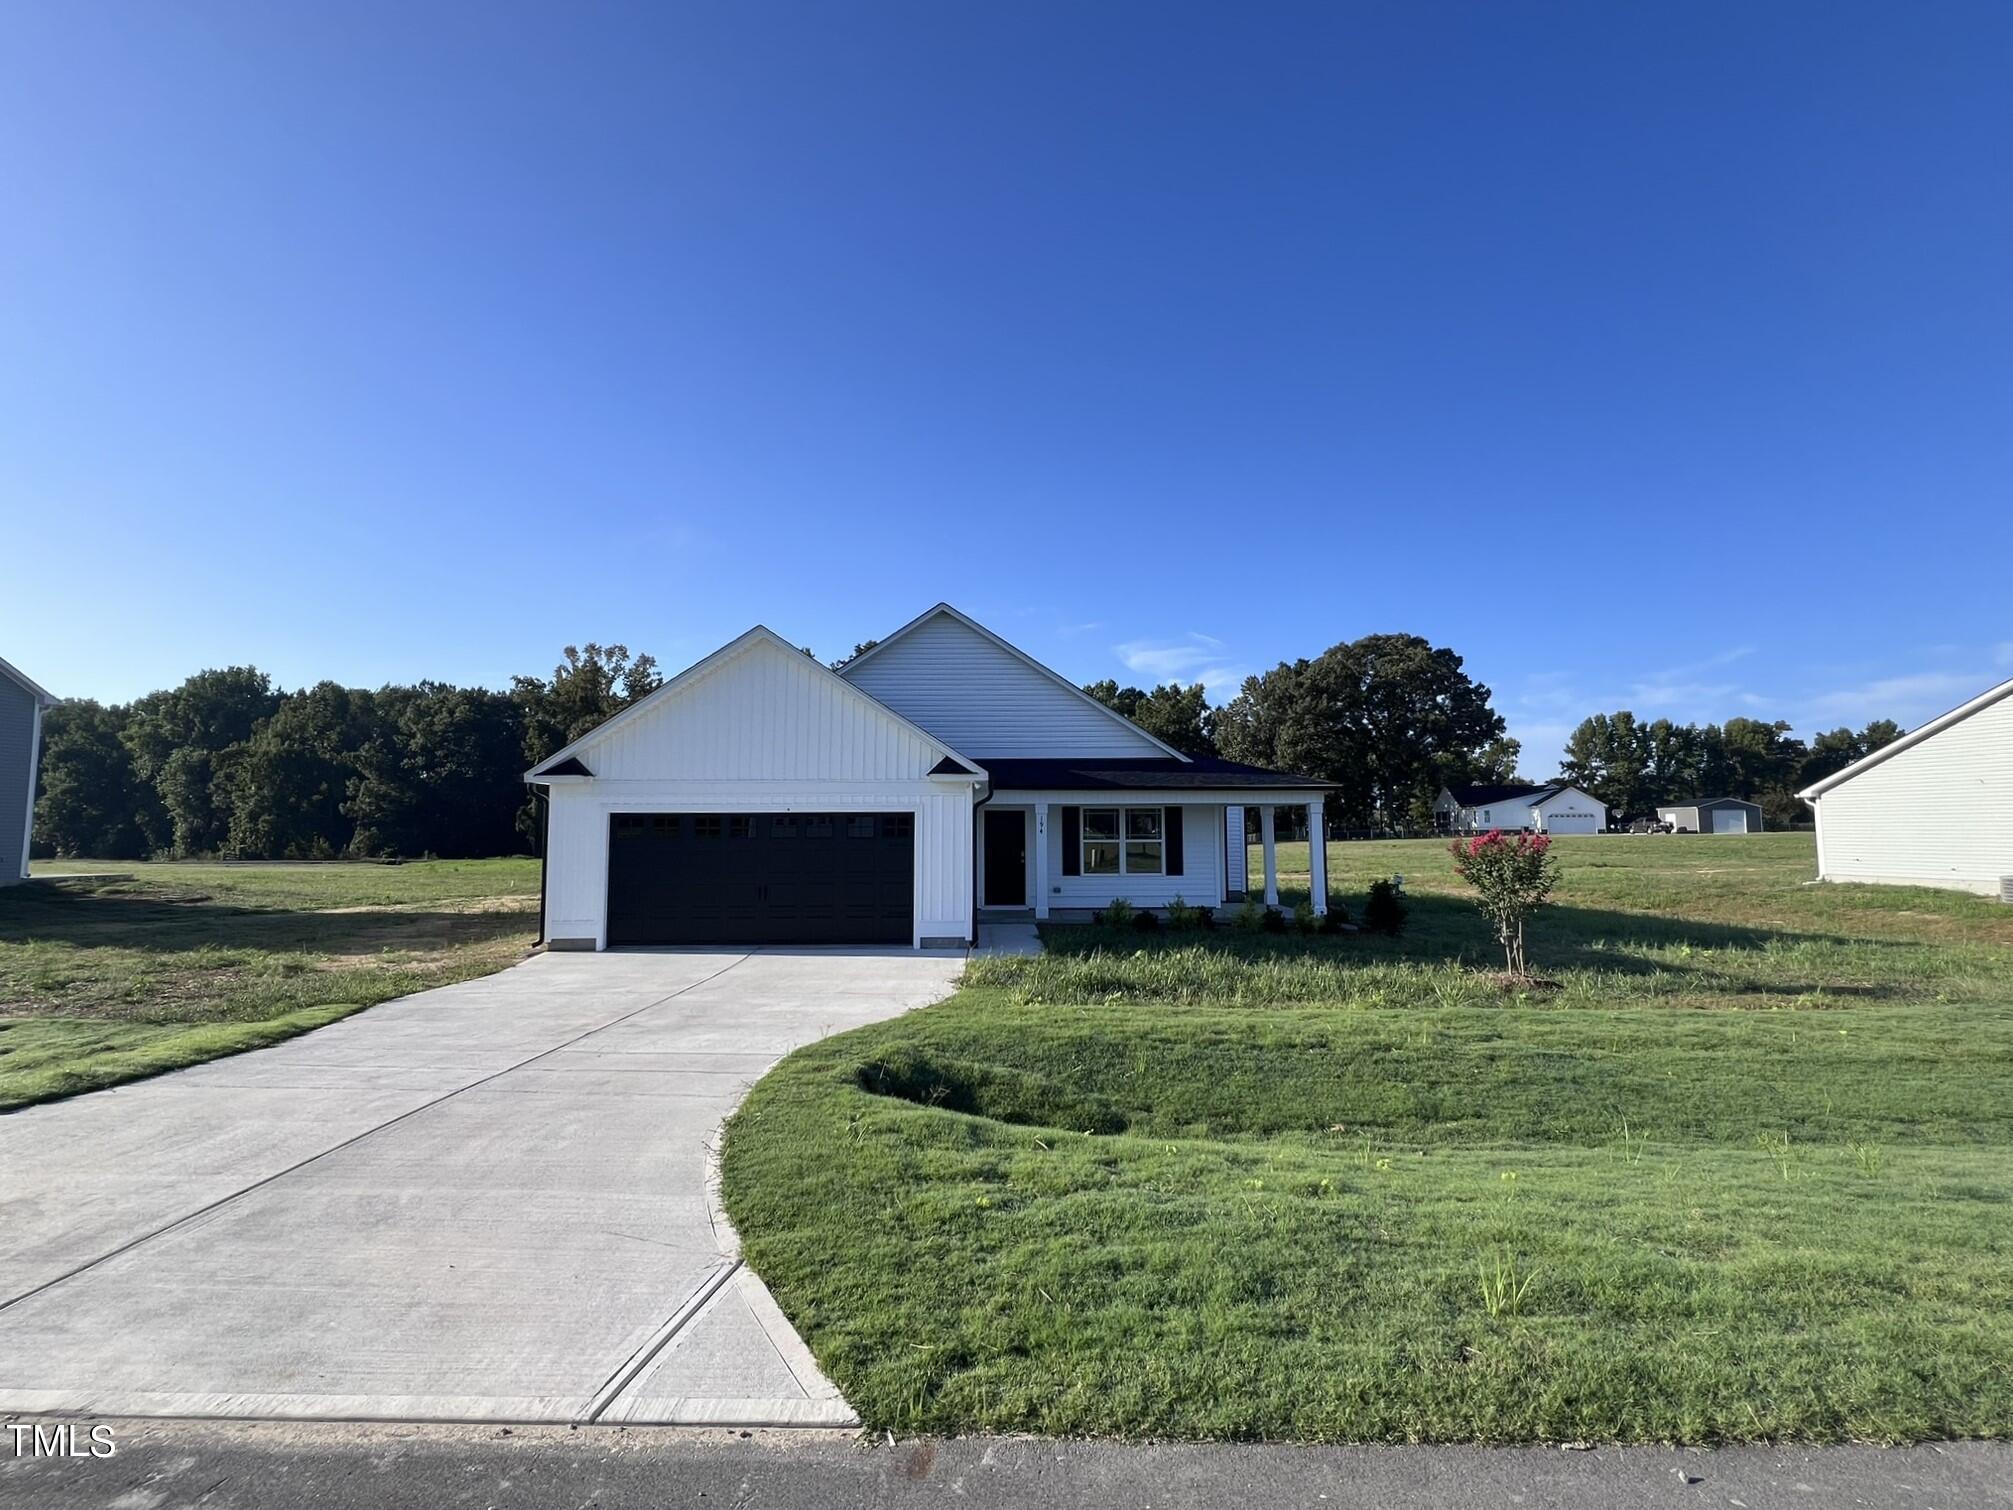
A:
x: 1553, y: 808
x: 21, y: 707
x: 942, y: 776
x: 1934, y: 808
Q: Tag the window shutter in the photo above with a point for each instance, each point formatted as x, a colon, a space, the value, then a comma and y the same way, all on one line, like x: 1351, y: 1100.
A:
x: 1072, y: 841
x: 1171, y: 826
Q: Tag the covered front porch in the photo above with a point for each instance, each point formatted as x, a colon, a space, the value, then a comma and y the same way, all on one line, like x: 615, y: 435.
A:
x: 1063, y: 854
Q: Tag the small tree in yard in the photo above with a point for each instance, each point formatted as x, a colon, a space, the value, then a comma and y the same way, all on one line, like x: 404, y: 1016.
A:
x: 1513, y: 875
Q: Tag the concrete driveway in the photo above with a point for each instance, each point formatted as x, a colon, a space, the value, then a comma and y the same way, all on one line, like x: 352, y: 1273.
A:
x: 485, y: 1202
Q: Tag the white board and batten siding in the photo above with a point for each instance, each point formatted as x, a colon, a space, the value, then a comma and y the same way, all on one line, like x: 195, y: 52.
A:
x: 1934, y: 810
x: 983, y: 699
x: 761, y: 730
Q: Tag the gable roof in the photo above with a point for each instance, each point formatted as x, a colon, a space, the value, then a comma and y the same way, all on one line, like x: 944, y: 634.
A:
x: 1559, y: 789
x: 1484, y: 796
x: 20, y: 679
x: 945, y: 610
x: 761, y: 634
x: 1909, y: 740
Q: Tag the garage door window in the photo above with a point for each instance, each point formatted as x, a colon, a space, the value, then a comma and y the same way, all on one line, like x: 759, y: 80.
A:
x: 782, y: 828
x: 860, y: 826
x: 818, y: 826
x: 740, y: 826
x: 898, y: 825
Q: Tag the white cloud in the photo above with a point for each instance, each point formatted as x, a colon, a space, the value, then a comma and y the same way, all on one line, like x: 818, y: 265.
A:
x: 1539, y: 746
x: 1548, y: 705
x: 1665, y: 694
x: 1909, y: 700
x: 1194, y: 657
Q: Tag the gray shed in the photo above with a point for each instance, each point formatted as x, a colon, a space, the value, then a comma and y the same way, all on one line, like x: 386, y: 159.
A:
x: 21, y: 705
x: 1714, y: 815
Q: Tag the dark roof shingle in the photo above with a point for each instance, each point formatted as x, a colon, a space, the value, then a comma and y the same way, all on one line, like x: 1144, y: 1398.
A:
x: 1203, y: 773
x: 1482, y: 796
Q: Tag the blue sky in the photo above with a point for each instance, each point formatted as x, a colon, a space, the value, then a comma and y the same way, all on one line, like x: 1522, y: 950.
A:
x: 1657, y: 357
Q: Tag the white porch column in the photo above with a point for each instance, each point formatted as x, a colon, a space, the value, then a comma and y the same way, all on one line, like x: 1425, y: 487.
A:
x: 1265, y: 831
x: 1040, y: 860
x: 1317, y: 858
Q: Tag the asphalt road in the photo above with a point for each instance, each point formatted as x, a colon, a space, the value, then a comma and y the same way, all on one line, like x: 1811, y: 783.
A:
x: 221, y: 1465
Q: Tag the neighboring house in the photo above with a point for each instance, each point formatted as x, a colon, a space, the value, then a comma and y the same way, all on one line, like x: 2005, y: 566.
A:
x: 1553, y: 808
x: 941, y: 776
x: 21, y: 705
x: 1713, y: 815
x: 1934, y: 808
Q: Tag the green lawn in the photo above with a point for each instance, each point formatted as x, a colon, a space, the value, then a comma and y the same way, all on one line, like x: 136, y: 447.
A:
x: 1743, y: 1171
x: 141, y: 968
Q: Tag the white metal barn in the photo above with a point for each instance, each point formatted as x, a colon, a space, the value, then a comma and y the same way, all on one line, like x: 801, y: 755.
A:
x: 1713, y: 815
x: 1934, y: 808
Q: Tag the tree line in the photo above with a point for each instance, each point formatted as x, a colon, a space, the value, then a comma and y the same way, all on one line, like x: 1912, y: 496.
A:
x: 1636, y: 767
x: 1387, y: 720
x: 227, y: 764
x: 1384, y: 722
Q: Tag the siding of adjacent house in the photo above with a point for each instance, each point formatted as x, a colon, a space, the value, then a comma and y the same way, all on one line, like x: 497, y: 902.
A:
x: 765, y: 730
x: 19, y: 734
x: 986, y: 701
x: 1938, y: 813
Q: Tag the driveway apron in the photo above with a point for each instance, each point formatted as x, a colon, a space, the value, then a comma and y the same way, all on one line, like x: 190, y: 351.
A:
x: 484, y: 1202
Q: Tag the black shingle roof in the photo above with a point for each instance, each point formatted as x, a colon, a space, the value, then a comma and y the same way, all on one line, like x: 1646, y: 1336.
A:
x: 1483, y: 796
x: 1161, y: 773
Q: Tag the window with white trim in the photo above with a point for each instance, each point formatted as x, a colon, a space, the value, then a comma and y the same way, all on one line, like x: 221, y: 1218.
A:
x: 1124, y: 841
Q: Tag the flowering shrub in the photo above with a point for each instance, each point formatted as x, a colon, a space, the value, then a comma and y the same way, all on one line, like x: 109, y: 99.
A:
x: 1513, y: 876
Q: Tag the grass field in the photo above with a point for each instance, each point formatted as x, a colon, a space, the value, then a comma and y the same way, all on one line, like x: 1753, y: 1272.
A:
x: 1742, y: 1171
x: 121, y: 970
